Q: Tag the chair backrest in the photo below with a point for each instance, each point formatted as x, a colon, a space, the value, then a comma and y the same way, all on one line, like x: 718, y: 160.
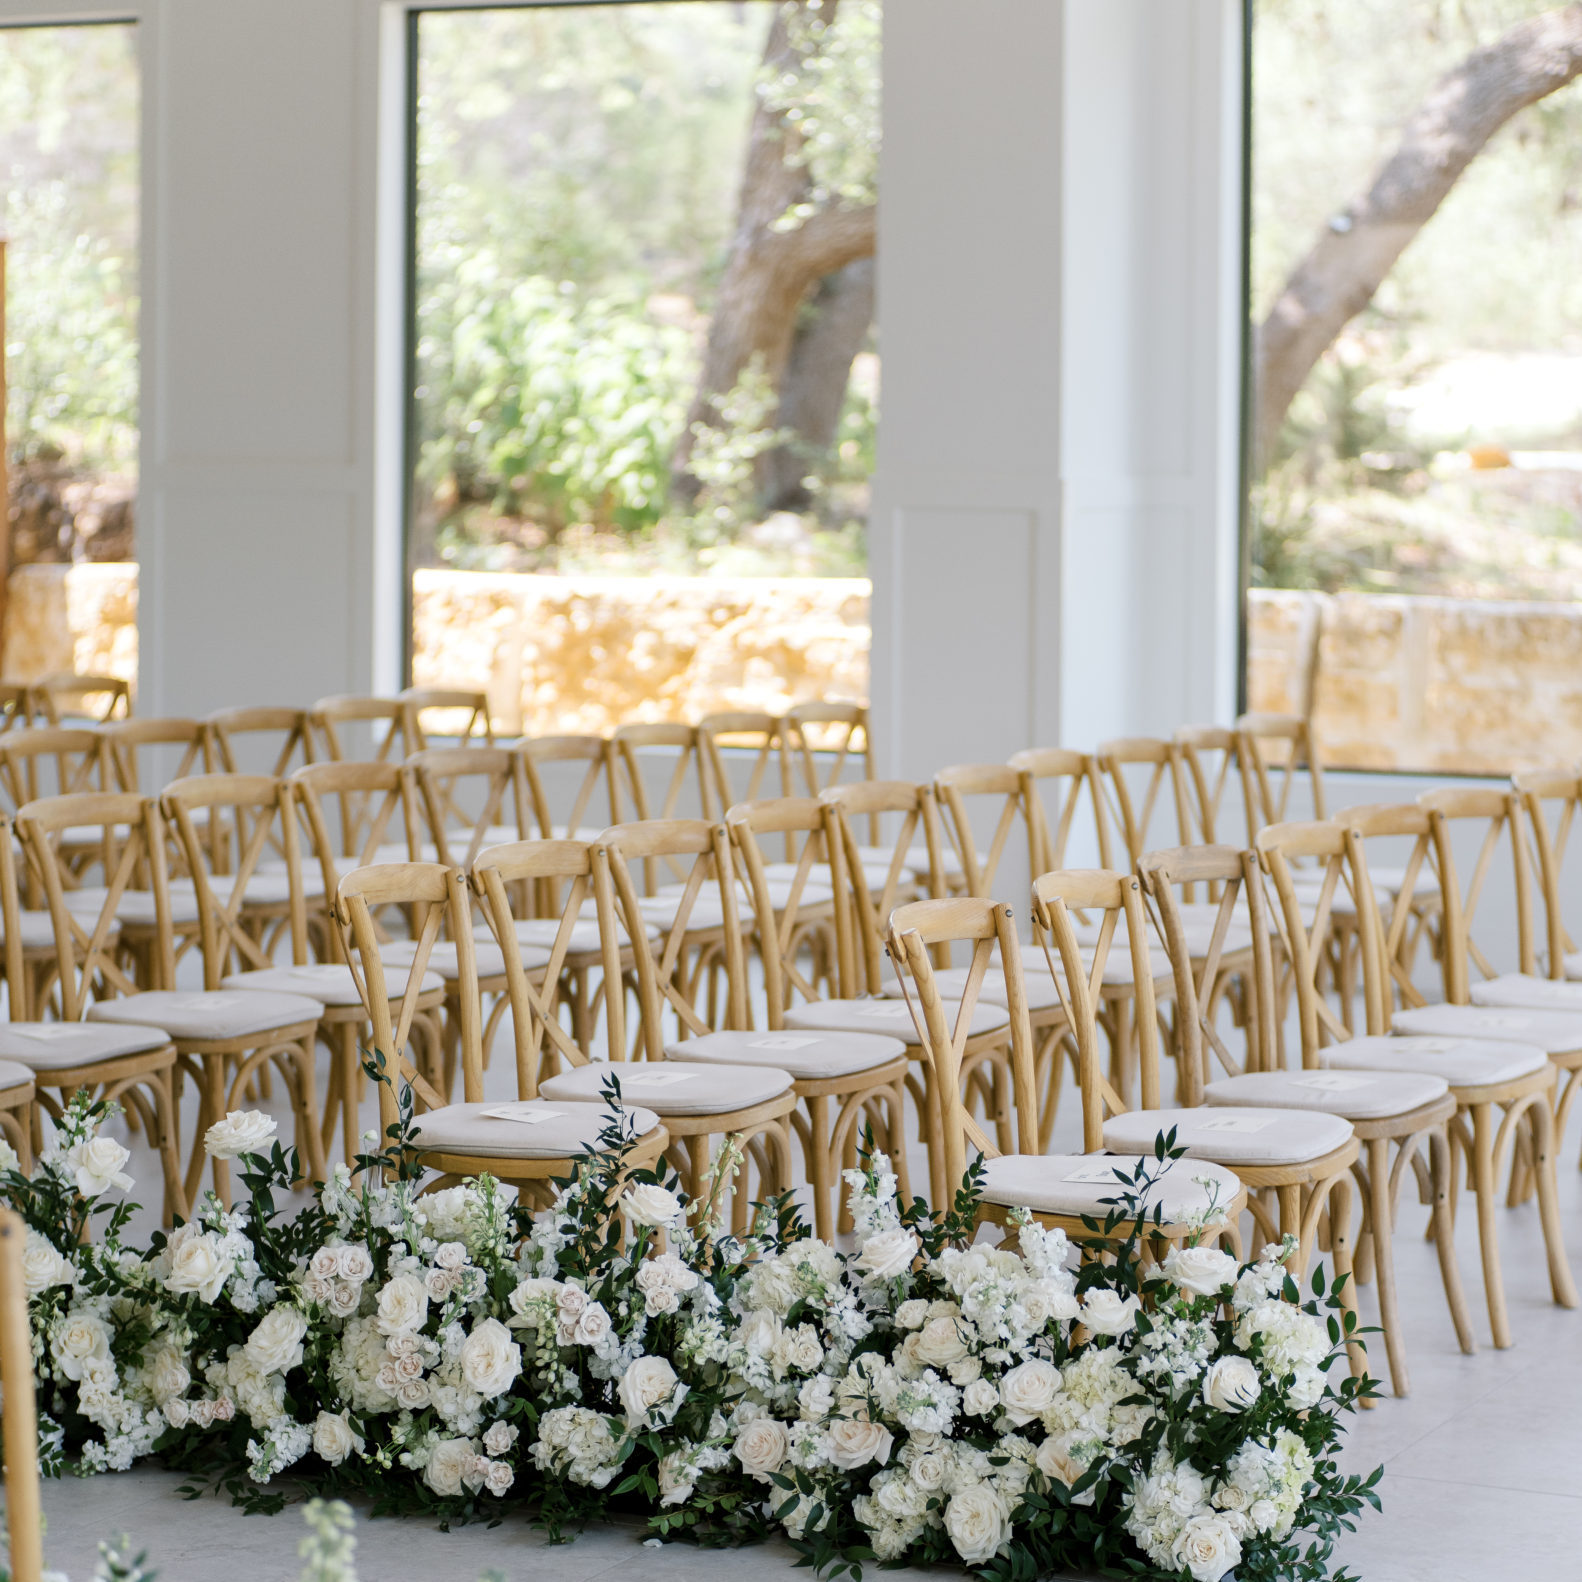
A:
x: 436, y: 898
x: 188, y: 741
x: 916, y: 929
x: 1211, y: 759
x: 459, y: 713
x: 782, y: 925
x: 132, y: 848
x: 20, y: 706
x: 580, y: 820
x: 256, y: 816
x: 470, y: 797
x: 94, y: 698
x: 862, y: 911
x: 565, y: 868
x: 52, y: 760
x: 631, y: 746
x: 725, y: 740
x: 1001, y: 792
x: 1145, y: 787
x: 1234, y: 875
x: 1277, y: 752
x: 24, y: 1514
x: 662, y: 967
x: 352, y: 726
x: 1551, y: 799
x: 289, y: 728
x: 351, y: 810
x: 1109, y: 897
x: 1403, y: 825
x: 1058, y: 780
x: 836, y: 732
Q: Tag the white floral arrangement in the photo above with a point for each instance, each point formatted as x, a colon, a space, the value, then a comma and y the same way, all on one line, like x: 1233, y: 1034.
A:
x: 926, y: 1395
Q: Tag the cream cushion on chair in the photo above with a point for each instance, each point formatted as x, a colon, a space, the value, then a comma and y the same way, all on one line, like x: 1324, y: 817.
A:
x: 135, y: 906
x: 330, y: 983
x: 812, y: 893
x: 1245, y: 1137
x: 1355, y: 1095
x: 564, y: 1131
x: 53, y: 1046
x: 1554, y: 1032
x: 442, y: 959
x: 874, y: 875
x: 1522, y: 992
x: 810, y: 1057
x: 1463, y: 1062
x: 38, y: 932
x: 1572, y: 965
x: 14, y: 1076
x: 890, y: 1017
x: 878, y: 857
x: 671, y: 1090
x: 540, y: 933
x: 209, y: 1013
x: 1044, y: 1183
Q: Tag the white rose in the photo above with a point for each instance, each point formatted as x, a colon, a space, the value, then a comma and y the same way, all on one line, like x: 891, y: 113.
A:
x: 325, y: 1264
x: 223, y: 1408
x: 939, y: 1343
x: 799, y: 1348
x: 888, y: 1255
x: 930, y: 1470
x: 168, y: 1376
x: 177, y: 1413
x: 662, y: 1299
x: 198, y: 1263
x: 241, y: 1132
x: 816, y: 1399
x: 333, y: 1438
x: 403, y: 1305
x: 490, y: 1359
x: 1231, y: 1385
x: 413, y: 1394
x: 1202, y: 1271
x: 761, y: 1447
x: 1107, y: 1312
x: 1207, y: 1547
x: 498, y: 1479
x: 354, y: 1263
x: 344, y: 1299
x: 449, y: 1462
x: 1029, y: 1390
x: 1055, y: 1460
x: 854, y: 1442
x: 452, y: 1255
x: 981, y: 1399
x: 43, y: 1266
x: 760, y: 1332
x: 978, y: 1523
x: 500, y: 1438
x: 1047, y: 1302
x: 911, y: 1313
x: 96, y: 1163
x: 1263, y: 1514
x: 677, y: 1478
x: 593, y: 1325
x: 648, y: 1204
x: 77, y: 1338
x: 647, y: 1383
x: 202, y: 1414
x: 275, y: 1346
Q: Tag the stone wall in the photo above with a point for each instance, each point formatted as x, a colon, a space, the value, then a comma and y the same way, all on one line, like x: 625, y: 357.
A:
x: 78, y: 619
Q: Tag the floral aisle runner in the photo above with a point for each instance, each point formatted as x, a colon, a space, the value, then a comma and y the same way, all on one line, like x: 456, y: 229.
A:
x: 924, y: 1397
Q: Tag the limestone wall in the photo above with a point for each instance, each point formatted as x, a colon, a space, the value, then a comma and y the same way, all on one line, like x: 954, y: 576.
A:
x: 71, y: 618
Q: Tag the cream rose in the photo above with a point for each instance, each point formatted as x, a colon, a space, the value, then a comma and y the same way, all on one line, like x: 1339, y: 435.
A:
x: 1231, y: 1385
x: 96, y: 1164
x: 500, y: 1438
x: 911, y: 1313
x: 1107, y: 1312
x: 334, y: 1439
x: 1055, y: 1460
x: 978, y: 1523
x: 1207, y: 1547
x: 354, y: 1263
x: 761, y: 1447
x: 490, y: 1359
x: 980, y: 1399
x: 1029, y: 1390
x: 43, y: 1266
x: 403, y: 1305
x: 648, y: 1204
x: 647, y: 1383
x: 197, y: 1263
x: 1202, y: 1271
x: 930, y: 1470
x: 241, y: 1132
x: 275, y: 1346
x: 854, y: 1442
x: 593, y: 1325
x: 449, y: 1462
x: 76, y: 1339
x: 168, y: 1376
x: 939, y: 1343
x: 888, y: 1255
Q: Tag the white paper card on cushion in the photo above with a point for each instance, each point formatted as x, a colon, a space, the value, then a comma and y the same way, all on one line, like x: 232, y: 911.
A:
x: 657, y: 1079
x: 524, y: 1114
x: 1333, y: 1081
x: 780, y: 1041
x: 883, y: 1013
x: 1093, y: 1175
x: 1236, y: 1123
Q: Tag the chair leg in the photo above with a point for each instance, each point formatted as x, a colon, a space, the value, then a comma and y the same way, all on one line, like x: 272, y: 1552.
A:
x: 1441, y: 1179
x: 1488, y: 1228
x: 1542, y: 1122
x: 169, y: 1144
x: 1340, y: 1254
x: 1381, y: 1211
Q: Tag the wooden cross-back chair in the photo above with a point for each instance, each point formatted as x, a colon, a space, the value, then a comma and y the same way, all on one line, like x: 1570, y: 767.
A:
x: 24, y: 1512
x: 20, y: 706
x: 187, y: 741
x: 1061, y: 1190
x: 1300, y: 1159
x: 724, y: 738
x: 1057, y: 781
x: 1278, y: 753
x: 835, y: 730
x: 228, y: 727
x: 463, y: 715
x: 586, y: 815
x: 53, y: 760
x: 471, y: 797
x: 97, y: 699
x: 687, y: 792
x: 1409, y: 1111
x: 525, y: 1142
x: 339, y: 722
x: 1501, y: 1089
x: 750, y: 1103
x: 1143, y: 779
x: 1551, y: 799
x: 1211, y: 759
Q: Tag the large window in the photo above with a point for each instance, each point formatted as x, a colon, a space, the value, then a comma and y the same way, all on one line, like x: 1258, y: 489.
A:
x: 69, y: 155
x: 645, y: 371
x: 1416, y: 507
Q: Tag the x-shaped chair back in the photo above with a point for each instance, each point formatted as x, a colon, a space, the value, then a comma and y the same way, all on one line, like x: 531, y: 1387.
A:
x: 95, y: 698
x: 334, y: 719
x: 1551, y: 799
x: 1058, y: 780
x: 1277, y: 752
x: 290, y: 726
x: 1003, y: 791
x: 593, y: 753
x: 455, y: 706
x: 493, y: 776
x: 53, y: 760
x: 763, y: 735
x: 837, y: 732
x: 630, y: 802
x: 1401, y: 823
x: 1211, y: 759
x: 1143, y: 780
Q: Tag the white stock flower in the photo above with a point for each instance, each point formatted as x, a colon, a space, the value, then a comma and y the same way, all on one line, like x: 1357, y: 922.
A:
x: 889, y: 1254
x: 648, y: 1382
x: 1231, y: 1385
x: 334, y: 1439
x: 490, y: 1359
x: 1029, y: 1390
x: 199, y: 1262
x: 762, y: 1447
x: 43, y: 1266
x: 1207, y: 1547
x: 854, y: 1442
x: 1202, y: 1271
x: 649, y: 1204
x: 911, y: 1314
x: 95, y: 1163
x: 449, y: 1463
x: 403, y: 1305
x: 978, y: 1523
x: 8, y: 1157
x: 1107, y: 1312
x: 275, y: 1345
x: 241, y: 1132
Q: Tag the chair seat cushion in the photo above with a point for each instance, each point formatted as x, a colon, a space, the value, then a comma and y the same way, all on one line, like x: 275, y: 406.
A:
x: 1554, y: 1032
x: 916, y: 859
x: 442, y: 959
x: 813, y: 893
x: 1521, y: 991
x: 812, y: 1057
x: 1572, y: 965
x: 209, y: 1013
x: 1355, y: 1095
x: 38, y: 932
x: 1078, y: 1184
x: 1462, y: 1062
x: 56, y: 1046
x: 13, y: 1075
x: 1036, y: 982
x: 874, y: 875
x: 1247, y: 1137
x: 890, y: 1017
x: 546, y: 1131
x: 680, y: 1090
x: 540, y: 933
x: 135, y: 906
x: 330, y: 983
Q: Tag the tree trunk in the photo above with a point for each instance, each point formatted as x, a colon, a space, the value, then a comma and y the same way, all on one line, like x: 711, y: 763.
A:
x: 829, y: 334
x: 771, y: 265
x: 1359, y: 246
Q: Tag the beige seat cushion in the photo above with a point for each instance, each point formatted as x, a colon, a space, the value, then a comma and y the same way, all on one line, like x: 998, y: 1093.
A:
x: 1520, y: 991
x: 563, y: 1131
x: 1078, y: 1184
x: 327, y: 982
x: 1247, y: 1137
x: 1572, y: 965
x: 812, y: 1057
x: 812, y: 894
x: 1462, y: 1062
x: 1355, y: 1095
x: 55, y: 1046
x: 1554, y: 1032
x: 874, y: 875
x: 1038, y: 985
x: 13, y: 1075
x: 209, y: 1014
x: 683, y: 1090
x: 916, y: 859
x: 38, y: 932
x: 135, y: 906
x: 540, y: 933
x: 442, y: 959
x: 890, y: 1017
